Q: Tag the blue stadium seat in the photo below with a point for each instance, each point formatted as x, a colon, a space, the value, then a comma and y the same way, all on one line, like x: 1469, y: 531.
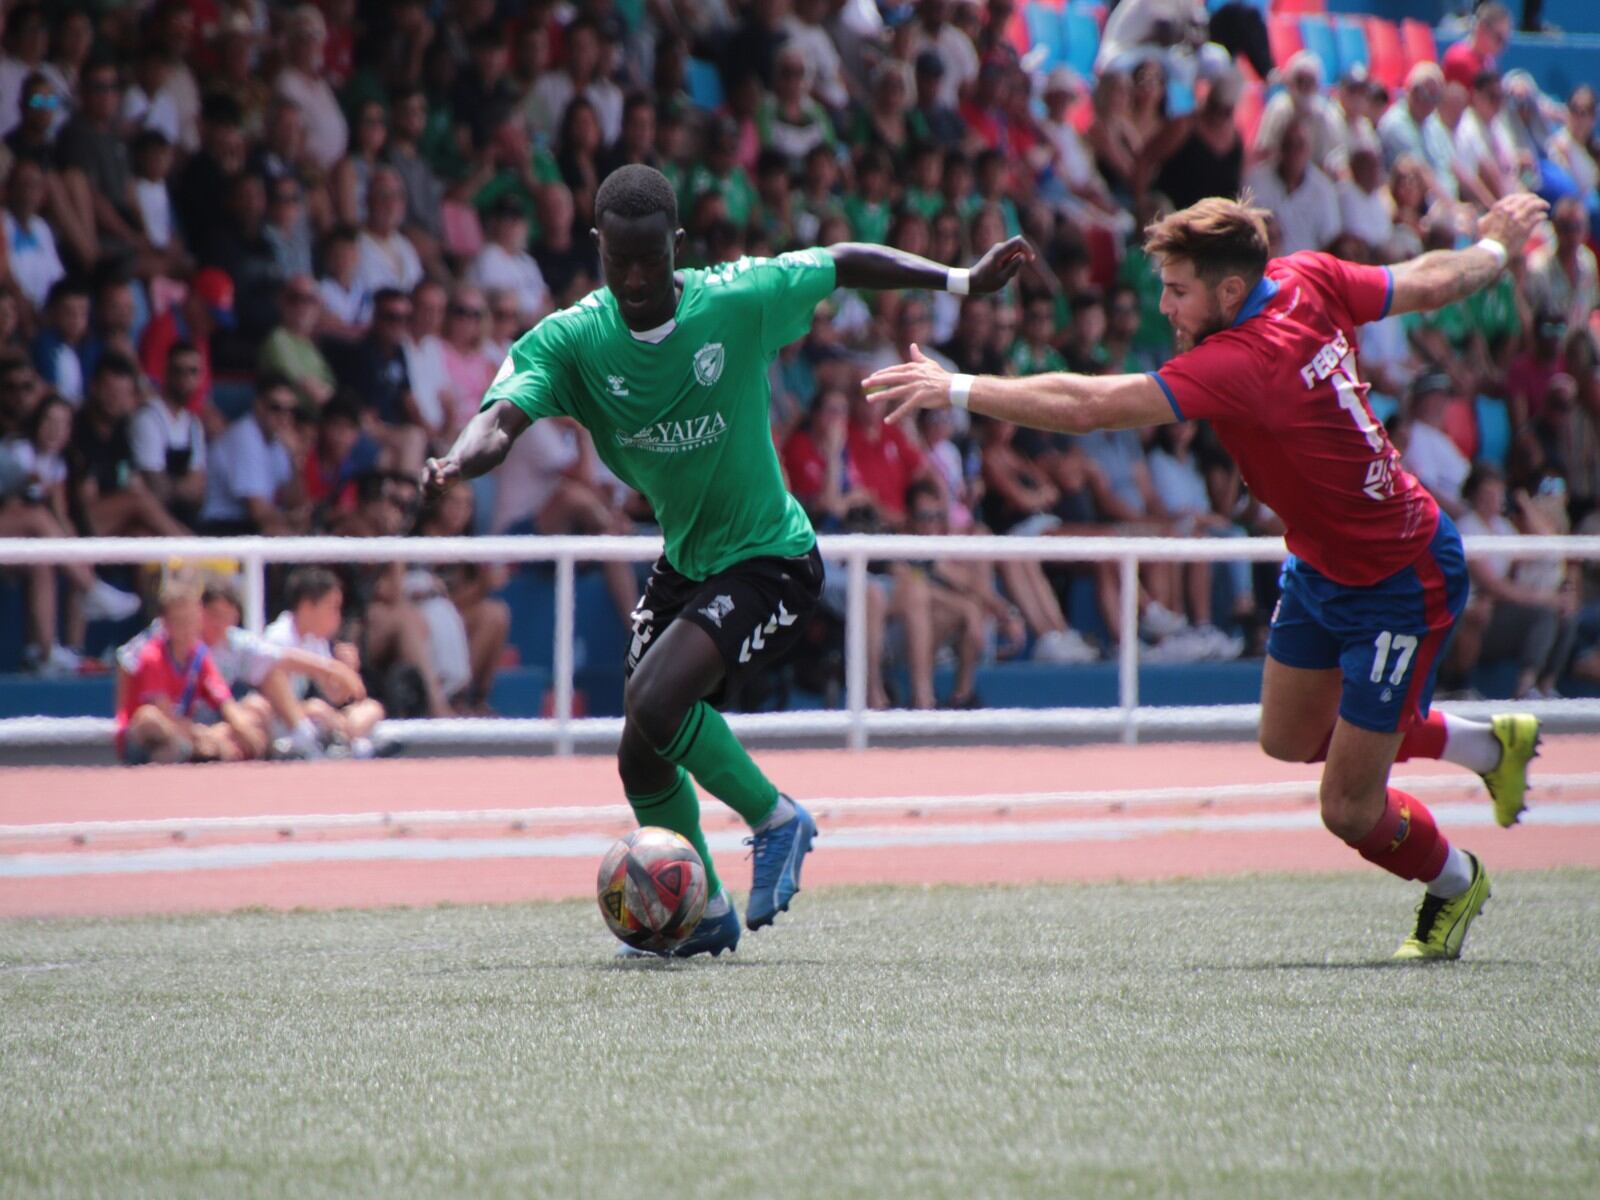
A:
x: 1318, y: 37
x: 233, y: 397
x: 1352, y: 39
x: 1047, y: 32
x: 1083, y: 41
x: 705, y: 85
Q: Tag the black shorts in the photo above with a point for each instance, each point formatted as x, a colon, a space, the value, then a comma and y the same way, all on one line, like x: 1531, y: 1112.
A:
x: 754, y: 611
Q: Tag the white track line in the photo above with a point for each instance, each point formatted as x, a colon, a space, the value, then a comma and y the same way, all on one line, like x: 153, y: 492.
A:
x: 1214, y: 795
x: 1582, y: 814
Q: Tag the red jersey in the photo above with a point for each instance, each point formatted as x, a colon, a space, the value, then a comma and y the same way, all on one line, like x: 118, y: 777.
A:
x: 157, y: 674
x: 886, y: 465
x: 1281, y: 389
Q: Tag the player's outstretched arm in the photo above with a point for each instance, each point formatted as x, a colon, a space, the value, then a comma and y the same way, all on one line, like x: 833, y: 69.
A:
x: 877, y: 268
x: 481, y: 447
x: 1442, y: 277
x: 1061, y: 402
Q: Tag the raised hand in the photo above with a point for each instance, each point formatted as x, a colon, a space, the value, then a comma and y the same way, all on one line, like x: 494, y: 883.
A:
x: 1512, y: 219
x: 898, y: 391
x: 1000, y: 265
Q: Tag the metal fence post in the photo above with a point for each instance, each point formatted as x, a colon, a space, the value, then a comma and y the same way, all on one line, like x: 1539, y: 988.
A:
x: 855, y: 650
x: 566, y: 601
x: 1128, y: 650
x: 255, y: 593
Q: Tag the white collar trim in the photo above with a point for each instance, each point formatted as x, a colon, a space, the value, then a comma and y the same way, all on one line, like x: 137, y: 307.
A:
x: 654, y: 336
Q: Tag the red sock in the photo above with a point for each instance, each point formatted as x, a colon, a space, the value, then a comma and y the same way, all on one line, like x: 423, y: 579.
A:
x: 1405, y: 841
x: 1425, y: 739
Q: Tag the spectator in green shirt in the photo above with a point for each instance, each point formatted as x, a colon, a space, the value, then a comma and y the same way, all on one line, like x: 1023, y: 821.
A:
x: 289, y: 349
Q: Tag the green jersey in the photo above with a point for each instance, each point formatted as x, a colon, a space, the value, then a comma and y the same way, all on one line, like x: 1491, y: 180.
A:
x: 681, y: 413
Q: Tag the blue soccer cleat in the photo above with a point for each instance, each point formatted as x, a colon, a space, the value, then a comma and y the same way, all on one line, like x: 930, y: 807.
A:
x: 712, y: 936
x: 779, y: 851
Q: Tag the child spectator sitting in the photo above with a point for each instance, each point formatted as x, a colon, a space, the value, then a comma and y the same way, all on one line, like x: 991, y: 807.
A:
x: 314, y: 611
x: 168, y: 679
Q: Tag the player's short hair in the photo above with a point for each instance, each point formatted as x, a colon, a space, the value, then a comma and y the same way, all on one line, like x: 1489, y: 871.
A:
x: 308, y: 585
x: 636, y: 191
x: 1220, y: 237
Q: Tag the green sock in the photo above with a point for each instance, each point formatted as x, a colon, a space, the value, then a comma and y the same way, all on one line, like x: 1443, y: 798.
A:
x: 707, y: 749
x: 678, y: 809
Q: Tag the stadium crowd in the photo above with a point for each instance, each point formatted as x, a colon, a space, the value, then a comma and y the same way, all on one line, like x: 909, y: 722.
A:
x: 260, y: 259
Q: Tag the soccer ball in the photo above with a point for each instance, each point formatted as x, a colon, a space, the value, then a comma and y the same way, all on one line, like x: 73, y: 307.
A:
x: 652, y: 889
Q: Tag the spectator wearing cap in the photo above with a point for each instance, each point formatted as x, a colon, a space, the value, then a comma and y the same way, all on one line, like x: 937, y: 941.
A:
x: 291, y: 350
x: 931, y: 119
x: 168, y: 441
x: 58, y: 348
x: 504, y: 262
x: 30, y: 246
x: 931, y: 30
x: 1431, y: 454
x: 244, y: 252
x: 301, y: 80
x: 582, y: 75
x: 109, y: 497
x: 1472, y: 56
x: 1301, y: 98
x: 203, y: 180
x: 385, y: 257
x: 1297, y: 191
x: 252, y: 485
x: 1562, y: 275
x: 91, y: 149
x: 374, y: 371
x: 1486, y: 162
x: 206, y: 308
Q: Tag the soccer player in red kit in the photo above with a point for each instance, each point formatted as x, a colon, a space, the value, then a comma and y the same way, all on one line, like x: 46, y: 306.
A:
x: 1376, y: 575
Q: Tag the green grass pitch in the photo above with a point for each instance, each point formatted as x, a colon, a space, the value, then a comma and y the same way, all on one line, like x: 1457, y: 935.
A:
x: 1210, y: 1038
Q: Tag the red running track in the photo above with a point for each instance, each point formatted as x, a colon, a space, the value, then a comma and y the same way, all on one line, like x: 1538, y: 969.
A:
x: 1221, y: 821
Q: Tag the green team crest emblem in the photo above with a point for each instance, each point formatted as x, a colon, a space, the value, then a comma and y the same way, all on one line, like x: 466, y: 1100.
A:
x: 708, y: 361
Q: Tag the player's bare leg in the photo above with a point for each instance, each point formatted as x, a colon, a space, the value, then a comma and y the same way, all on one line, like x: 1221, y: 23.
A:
x: 1298, y: 710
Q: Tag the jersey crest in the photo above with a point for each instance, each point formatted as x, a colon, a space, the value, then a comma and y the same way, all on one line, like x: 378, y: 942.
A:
x: 708, y: 363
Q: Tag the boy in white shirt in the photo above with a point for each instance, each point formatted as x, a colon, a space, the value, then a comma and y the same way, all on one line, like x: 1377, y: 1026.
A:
x: 504, y: 262
x: 315, y: 611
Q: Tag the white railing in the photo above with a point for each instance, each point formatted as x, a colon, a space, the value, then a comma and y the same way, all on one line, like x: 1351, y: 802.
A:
x: 855, y: 723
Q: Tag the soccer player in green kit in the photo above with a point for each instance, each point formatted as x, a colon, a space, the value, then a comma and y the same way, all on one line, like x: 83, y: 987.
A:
x: 667, y: 369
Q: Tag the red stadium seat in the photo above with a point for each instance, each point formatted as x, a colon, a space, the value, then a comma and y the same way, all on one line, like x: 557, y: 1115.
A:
x: 1300, y: 8
x: 1283, y: 33
x: 1416, y: 37
x: 1247, y: 113
x: 1017, y: 33
x: 1388, y: 57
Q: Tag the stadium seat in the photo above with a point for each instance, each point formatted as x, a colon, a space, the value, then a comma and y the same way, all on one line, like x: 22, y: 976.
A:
x: 1247, y: 113
x: 1097, y: 11
x: 1283, y: 35
x: 1417, y: 40
x: 1300, y: 8
x: 705, y: 85
x: 1017, y: 33
x: 1319, y: 38
x: 1352, y: 38
x: 1388, y: 63
x: 1083, y: 41
x: 1048, y: 32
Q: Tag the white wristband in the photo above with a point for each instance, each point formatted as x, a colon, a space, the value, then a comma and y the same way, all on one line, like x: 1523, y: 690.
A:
x: 958, y: 281
x: 1495, y: 248
x: 961, y: 390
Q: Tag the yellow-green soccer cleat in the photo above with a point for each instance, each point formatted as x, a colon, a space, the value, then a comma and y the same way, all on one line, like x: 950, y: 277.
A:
x: 1518, y: 735
x: 1442, y: 924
